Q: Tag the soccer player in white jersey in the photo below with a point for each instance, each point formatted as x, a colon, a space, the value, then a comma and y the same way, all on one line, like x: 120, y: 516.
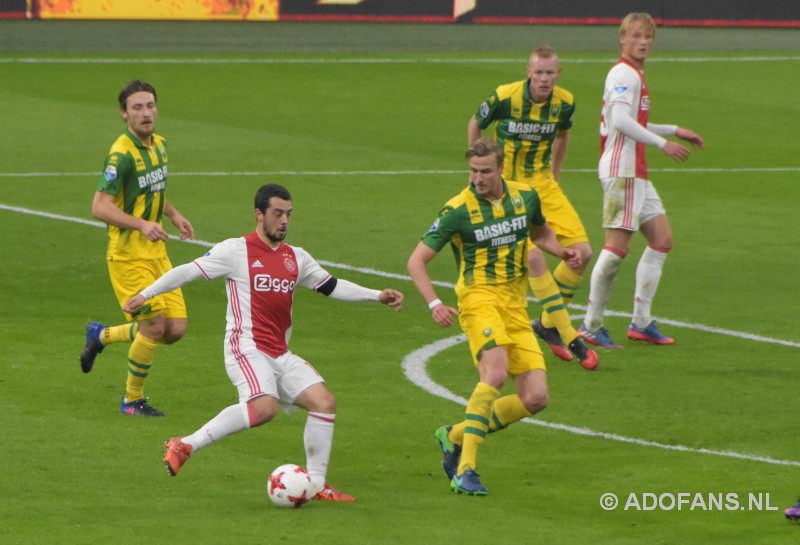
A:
x: 630, y: 202
x: 261, y: 273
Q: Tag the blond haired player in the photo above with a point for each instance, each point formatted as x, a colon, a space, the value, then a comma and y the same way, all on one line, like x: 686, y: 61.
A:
x: 531, y: 121
x: 630, y: 202
x: 488, y: 225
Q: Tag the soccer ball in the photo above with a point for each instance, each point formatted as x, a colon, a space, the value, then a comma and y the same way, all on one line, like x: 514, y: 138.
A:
x: 289, y: 486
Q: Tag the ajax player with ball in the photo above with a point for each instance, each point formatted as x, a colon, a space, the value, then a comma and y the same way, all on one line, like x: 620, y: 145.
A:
x: 261, y: 273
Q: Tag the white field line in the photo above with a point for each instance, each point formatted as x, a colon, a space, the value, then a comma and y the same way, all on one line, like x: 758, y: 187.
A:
x: 414, y: 363
x: 394, y: 276
x: 254, y: 60
x: 378, y: 172
x: 414, y: 369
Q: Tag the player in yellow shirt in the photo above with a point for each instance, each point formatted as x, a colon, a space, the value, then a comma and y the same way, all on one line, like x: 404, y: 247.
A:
x: 488, y: 226
x: 130, y: 198
x: 531, y: 121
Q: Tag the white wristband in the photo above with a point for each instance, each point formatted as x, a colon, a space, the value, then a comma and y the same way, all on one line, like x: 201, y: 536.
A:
x: 434, y: 303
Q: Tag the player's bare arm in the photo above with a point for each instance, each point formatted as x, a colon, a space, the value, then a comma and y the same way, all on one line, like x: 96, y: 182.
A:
x: 183, y: 225
x: 545, y: 239
x: 473, y: 131
x: 691, y: 137
x: 103, y: 208
x: 418, y: 269
x: 560, y: 145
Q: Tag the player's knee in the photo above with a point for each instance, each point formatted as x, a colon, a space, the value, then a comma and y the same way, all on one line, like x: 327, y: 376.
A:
x: 535, y: 401
x: 586, y: 255
x: 328, y: 406
x: 153, y: 329
x: 174, y: 330
x: 664, y: 245
x: 261, y: 410
x: 537, y: 265
x: 585, y: 252
x: 171, y: 336
x: 323, y: 402
x: 496, y: 379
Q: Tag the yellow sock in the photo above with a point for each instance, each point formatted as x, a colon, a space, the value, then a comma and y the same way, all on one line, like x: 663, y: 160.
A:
x: 554, y: 311
x: 505, y: 411
x: 476, y: 420
x: 124, y: 333
x: 567, y: 281
x: 140, y: 358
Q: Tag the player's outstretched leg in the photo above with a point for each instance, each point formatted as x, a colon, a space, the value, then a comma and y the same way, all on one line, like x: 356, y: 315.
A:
x: 177, y: 454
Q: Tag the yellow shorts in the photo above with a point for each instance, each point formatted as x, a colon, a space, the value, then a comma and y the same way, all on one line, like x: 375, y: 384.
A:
x: 559, y: 212
x: 128, y: 278
x: 489, y: 326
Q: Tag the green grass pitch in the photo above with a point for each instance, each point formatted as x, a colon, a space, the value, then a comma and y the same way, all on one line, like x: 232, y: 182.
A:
x: 370, y: 148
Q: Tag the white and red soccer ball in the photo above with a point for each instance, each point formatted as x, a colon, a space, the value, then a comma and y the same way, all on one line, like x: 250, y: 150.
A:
x: 289, y: 486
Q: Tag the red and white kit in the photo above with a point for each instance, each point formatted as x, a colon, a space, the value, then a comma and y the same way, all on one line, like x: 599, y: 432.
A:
x: 630, y: 198
x: 260, y: 284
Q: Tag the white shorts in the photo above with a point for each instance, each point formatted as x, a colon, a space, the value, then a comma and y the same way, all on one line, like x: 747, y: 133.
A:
x: 254, y: 374
x: 629, y: 202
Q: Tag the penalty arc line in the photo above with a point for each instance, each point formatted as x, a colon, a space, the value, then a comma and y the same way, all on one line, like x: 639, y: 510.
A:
x: 414, y: 369
x: 414, y: 364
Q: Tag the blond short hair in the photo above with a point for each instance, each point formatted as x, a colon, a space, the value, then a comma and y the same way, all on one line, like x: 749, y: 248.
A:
x: 543, y: 52
x: 483, y: 147
x: 637, y: 17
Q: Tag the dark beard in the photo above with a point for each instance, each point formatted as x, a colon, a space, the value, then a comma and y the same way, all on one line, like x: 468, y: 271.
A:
x: 274, y: 238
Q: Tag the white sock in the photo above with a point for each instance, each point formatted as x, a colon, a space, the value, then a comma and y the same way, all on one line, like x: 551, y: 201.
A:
x: 648, y: 274
x: 318, y: 440
x: 232, y: 419
x: 604, y: 274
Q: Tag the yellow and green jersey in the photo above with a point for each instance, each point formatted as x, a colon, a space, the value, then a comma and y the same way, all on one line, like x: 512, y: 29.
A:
x: 136, y: 175
x: 489, y: 241
x: 526, y: 129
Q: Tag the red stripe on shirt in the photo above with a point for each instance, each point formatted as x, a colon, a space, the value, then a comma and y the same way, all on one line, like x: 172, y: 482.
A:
x: 201, y: 270
x: 236, y: 335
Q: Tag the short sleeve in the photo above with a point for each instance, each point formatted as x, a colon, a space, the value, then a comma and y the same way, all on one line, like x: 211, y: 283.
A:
x: 487, y: 111
x: 565, y: 120
x: 116, y: 168
x: 442, y: 230
x: 535, y: 209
